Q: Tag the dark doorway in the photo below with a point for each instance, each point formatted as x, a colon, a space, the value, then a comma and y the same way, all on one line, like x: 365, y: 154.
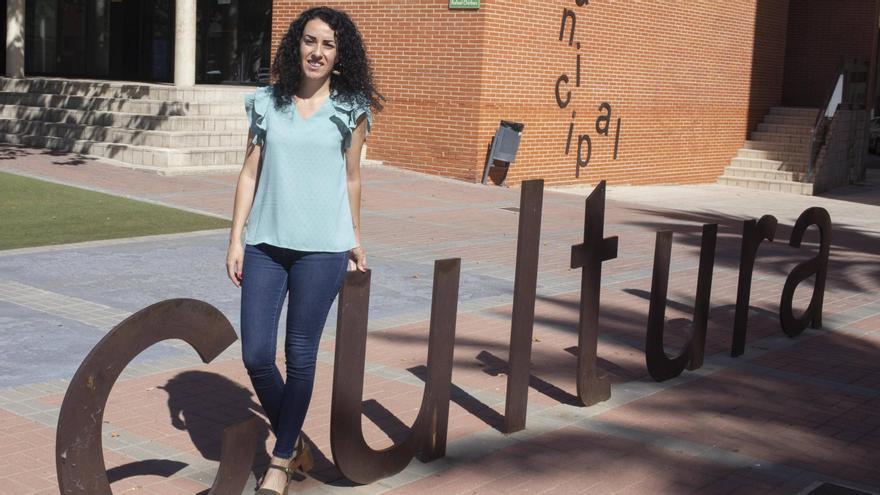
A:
x: 115, y: 39
x: 134, y: 39
x: 233, y: 41
x: 141, y: 35
x: 3, y: 37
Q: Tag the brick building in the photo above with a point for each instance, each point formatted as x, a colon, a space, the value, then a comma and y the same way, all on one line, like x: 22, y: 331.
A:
x: 683, y: 82
x: 637, y: 92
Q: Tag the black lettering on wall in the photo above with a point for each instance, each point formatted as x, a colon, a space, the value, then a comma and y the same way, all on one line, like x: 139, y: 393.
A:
x: 566, y: 15
x: 581, y: 161
x: 559, y: 101
x: 564, y: 96
x: 603, y: 122
x: 617, y: 138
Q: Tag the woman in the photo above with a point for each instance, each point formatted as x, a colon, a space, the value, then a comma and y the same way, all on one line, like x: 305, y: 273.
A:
x: 299, y: 190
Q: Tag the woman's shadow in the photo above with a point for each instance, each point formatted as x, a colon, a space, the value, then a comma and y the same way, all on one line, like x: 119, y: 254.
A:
x: 204, y: 404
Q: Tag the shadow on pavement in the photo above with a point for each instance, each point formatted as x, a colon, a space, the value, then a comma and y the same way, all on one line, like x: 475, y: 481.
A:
x: 203, y: 404
x: 152, y: 467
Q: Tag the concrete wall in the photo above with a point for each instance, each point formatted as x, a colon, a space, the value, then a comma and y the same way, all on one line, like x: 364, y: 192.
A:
x: 840, y: 160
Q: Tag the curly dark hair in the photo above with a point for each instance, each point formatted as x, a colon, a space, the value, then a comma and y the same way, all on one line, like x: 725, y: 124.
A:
x: 354, y: 83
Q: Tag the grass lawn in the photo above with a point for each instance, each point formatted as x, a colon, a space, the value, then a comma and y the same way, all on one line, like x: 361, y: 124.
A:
x: 38, y: 213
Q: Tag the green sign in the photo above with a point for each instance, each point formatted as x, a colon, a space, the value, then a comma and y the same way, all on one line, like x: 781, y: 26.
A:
x: 464, y: 4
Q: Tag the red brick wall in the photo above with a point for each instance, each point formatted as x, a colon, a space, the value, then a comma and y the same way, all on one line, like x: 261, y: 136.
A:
x: 820, y: 34
x: 687, y: 79
x: 679, y: 75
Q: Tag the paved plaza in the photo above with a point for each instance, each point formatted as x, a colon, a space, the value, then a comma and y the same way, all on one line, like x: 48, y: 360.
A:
x: 786, y: 417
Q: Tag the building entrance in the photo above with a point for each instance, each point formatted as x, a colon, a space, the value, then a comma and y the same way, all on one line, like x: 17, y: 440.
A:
x: 233, y: 41
x: 134, y: 40
x: 141, y: 40
x: 106, y: 39
x: 3, y: 35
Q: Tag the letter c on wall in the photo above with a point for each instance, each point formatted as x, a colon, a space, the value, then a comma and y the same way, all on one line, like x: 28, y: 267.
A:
x: 559, y: 101
x: 79, y: 457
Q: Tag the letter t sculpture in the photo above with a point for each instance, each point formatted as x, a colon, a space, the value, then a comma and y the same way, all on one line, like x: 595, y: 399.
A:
x: 592, y: 387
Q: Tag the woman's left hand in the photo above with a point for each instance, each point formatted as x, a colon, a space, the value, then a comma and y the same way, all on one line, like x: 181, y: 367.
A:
x: 358, y: 258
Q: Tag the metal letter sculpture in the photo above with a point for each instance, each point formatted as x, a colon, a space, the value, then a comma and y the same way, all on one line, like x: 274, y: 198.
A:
x: 791, y: 325
x: 592, y: 387
x: 354, y: 458
x: 79, y: 456
x: 523, y: 317
x: 660, y: 366
x: 753, y: 234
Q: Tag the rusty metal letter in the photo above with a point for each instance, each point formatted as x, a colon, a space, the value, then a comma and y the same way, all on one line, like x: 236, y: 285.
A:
x: 592, y: 386
x: 660, y: 366
x: 353, y: 457
x: 753, y: 234
x: 79, y: 457
x: 791, y: 325
x: 704, y: 291
x: 523, y: 318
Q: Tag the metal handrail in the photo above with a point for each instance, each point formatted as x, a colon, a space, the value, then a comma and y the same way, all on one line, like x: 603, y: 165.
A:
x: 821, y: 118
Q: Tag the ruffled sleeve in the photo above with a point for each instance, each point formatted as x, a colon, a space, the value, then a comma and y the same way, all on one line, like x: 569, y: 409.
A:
x: 347, y: 114
x: 256, y: 105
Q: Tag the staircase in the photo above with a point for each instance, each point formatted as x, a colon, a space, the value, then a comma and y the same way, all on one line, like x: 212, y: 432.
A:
x: 154, y: 127
x: 777, y: 157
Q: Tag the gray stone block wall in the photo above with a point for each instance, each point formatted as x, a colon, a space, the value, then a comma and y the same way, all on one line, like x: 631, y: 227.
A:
x: 842, y: 155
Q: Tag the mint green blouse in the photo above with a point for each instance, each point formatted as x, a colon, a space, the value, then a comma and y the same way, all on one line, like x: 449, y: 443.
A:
x: 301, y: 201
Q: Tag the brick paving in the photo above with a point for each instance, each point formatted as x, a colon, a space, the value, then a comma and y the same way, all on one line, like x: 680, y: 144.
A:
x: 784, y: 417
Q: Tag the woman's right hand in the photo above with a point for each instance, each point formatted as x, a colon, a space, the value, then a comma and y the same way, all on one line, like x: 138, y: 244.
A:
x: 234, y: 263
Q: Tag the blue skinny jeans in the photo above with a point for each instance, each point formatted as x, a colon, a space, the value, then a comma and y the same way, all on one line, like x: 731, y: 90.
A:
x: 313, y: 280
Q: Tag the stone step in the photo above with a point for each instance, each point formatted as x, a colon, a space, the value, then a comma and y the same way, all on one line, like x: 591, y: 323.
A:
x: 777, y: 146
x: 123, y: 89
x: 141, y: 106
x: 756, y: 163
x: 156, y: 139
x: 769, y: 165
x: 783, y: 156
x: 756, y: 173
x: 795, y: 111
x: 789, y: 120
x: 128, y: 120
x: 793, y: 130
x: 775, y: 137
x: 161, y: 160
x: 804, y: 188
